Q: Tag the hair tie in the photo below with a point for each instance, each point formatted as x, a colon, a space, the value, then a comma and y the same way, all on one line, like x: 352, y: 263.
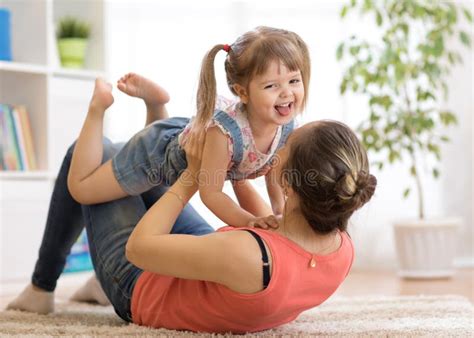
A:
x: 226, y: 48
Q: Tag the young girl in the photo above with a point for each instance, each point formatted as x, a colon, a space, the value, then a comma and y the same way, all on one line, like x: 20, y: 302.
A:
x: 267, y: 68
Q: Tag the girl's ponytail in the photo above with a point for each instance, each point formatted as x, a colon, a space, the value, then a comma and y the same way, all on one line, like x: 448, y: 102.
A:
x: 207, y: 92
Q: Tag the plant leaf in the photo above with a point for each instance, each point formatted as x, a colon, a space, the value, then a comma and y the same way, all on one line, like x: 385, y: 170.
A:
x: 444, y: 138
x: 406, y: 192
x: 467, y: 14
x: 447, y: 118
x: 343, y: 11
x: 378, y: 18
x: 465, y: 39
x: 340, y: 51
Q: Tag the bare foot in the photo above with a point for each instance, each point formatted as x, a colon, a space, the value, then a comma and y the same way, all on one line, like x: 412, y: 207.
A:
x: 102, y: 97
x: 139, y: 86
x: 91, y: 292
x: 33, y: 299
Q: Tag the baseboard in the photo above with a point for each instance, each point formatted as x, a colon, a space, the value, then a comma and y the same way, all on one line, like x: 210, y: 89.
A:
x: 464, y: 262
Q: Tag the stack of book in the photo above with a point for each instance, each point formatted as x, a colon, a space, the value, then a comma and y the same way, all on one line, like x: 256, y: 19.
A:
x: 16, y: 140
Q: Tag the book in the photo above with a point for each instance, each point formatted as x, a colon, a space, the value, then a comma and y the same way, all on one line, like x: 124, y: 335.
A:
x: 10, y: 154
x: 28, y: 135
x: 2, y: 135
x: 20, y: 138
x: 16, y: 139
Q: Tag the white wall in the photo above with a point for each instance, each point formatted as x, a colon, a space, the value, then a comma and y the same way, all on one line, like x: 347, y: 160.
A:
x: 167, y: 40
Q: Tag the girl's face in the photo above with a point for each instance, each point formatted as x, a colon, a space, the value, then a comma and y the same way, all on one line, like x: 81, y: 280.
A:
x: 276, y: 96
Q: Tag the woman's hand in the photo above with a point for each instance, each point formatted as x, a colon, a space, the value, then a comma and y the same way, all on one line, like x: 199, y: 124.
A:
x: 266, y: 222
x: 193, y: 147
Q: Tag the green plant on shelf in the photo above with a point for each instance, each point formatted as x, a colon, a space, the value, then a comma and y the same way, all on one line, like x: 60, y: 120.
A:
x: 72, y: 35
x: 70, y: 27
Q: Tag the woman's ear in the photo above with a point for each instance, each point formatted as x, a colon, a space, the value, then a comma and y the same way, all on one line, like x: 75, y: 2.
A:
x: 289, y: 192
x: 285, y: 187
x: 241, y: 92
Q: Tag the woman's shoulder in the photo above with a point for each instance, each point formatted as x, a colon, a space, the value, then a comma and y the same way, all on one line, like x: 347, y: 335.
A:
x: 240, y: 259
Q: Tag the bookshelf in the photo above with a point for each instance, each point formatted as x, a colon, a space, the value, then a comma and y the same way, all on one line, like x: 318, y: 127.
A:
x: 56, y: 100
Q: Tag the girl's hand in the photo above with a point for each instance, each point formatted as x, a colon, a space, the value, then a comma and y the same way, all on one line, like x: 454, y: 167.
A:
x: 193, y: 147
x: 266, y: 222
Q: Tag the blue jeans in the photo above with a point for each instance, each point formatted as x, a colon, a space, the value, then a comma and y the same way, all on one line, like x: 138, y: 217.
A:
x: 108, y: 227
x: 152, y: 157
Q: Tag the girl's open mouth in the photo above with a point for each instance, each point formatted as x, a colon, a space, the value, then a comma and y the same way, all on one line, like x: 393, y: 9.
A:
x: 284, y: 109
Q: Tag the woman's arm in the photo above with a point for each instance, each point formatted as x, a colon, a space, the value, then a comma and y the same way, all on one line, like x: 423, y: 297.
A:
x: 212, y: 175
x: 151, y: 246
x: 230, y: 258
x: 89, y: 182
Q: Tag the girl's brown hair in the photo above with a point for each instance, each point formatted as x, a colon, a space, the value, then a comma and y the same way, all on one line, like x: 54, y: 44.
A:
x: 328, y: 169
x: 248, y: 56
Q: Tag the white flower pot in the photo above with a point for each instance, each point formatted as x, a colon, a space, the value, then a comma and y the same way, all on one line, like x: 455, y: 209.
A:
x: 426, y: 248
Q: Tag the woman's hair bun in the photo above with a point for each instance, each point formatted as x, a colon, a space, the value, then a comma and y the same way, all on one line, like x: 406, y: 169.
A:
x: 346, y: 187
x: 357, y: 188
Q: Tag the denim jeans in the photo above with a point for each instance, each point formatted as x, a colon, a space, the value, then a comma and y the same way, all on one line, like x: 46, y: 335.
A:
x: 152, y: 157
x: 108, y: 228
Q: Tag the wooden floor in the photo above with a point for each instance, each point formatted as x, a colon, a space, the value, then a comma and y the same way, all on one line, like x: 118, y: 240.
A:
x: 358, y: 283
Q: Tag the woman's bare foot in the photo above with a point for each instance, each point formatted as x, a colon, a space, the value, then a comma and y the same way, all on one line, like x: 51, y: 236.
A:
x: 91, y: 291
x: 33, y: 299
x: 154, y: 96
x: 102, y: 97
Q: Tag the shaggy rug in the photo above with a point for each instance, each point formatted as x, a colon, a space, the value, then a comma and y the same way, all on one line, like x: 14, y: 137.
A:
x: 431, y: 316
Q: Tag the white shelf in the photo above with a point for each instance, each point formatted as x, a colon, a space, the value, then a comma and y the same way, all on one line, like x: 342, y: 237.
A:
x: 26, y: 175
x: 78, y: 73
x: 23, y: 67
x: 28, y: 68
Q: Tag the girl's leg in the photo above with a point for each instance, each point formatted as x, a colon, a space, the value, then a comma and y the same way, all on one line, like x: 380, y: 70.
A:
x: 154, y: 96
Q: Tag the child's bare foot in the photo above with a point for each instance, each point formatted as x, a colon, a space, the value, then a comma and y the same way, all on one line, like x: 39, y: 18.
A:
x: 102, y: 97
x: 139, y: 86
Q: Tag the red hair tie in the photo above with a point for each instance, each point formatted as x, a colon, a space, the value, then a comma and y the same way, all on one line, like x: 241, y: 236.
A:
x: 226, y: 48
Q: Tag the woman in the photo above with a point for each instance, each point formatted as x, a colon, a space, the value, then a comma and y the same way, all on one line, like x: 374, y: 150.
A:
x: 155, y: 273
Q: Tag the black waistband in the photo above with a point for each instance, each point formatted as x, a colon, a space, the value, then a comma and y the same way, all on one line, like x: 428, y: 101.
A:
x: 266, y: 265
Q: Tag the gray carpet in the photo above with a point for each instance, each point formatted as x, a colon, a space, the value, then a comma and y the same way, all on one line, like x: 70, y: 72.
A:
x: 431, y: 316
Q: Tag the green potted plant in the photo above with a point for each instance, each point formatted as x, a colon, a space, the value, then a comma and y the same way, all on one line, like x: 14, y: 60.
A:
x: 72, y: 35
x: 403, y: 74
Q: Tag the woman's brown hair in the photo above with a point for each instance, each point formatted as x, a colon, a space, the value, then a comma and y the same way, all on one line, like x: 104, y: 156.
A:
x: 327, y: 167
x: 248, y: 56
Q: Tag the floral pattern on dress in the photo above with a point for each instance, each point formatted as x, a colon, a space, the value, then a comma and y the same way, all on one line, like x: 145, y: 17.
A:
x: 252, y: 158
